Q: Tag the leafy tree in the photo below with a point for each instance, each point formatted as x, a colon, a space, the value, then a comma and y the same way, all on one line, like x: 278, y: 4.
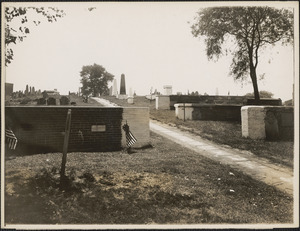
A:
x: 251, y: 28
x: 27, y: 90
x: 17, y: 24
x: 94, y: 79
x: 262, y: 94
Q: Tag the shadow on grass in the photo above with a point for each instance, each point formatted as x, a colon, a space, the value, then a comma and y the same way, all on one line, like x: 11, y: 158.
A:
x: 86, y: 200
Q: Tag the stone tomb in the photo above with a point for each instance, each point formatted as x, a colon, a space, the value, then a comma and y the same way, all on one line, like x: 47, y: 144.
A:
x: 268, y: 122
x: 192, y: 111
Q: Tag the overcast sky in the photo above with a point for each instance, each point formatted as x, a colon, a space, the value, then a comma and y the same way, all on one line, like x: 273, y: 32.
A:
x: 151, y: 43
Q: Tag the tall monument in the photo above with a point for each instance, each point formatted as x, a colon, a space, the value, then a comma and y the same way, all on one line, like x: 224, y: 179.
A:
x: 115, y: 90
x: 122, y: 85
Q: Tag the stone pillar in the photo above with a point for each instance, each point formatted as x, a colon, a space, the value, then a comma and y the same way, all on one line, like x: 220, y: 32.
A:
x: 115, y: 90
x: 111, y: 91
x: 130, y: 92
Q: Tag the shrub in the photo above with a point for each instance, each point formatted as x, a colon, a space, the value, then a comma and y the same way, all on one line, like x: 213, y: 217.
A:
x: 51, y: 101
x: 64, y: 100
x: 25, y: 100
x: 41, y: 101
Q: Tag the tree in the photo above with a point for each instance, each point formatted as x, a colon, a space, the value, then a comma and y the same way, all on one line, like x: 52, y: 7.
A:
x: 262, y: 94
x: 94, y: 79
x: 27, y: 90
x: 251, y: 28
x: 17, y: 25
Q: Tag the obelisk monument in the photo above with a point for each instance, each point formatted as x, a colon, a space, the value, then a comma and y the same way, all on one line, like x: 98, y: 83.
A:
x: 115, y: 90
x: 122, y: 94
x: 122, y: 85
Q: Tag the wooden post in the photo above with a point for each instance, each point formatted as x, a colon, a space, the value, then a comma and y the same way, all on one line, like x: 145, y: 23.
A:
x: 184, y: 112
x: 65, y: 149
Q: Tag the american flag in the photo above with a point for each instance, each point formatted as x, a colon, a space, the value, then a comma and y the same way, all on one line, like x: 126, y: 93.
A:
x: 130, y: 139
x: 10, y: 139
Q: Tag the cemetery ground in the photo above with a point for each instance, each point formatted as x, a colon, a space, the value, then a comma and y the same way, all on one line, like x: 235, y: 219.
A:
x: 162, y: 184
x: 221, y: 132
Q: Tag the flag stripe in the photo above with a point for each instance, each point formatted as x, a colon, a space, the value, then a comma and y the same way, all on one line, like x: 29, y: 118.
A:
x: 11, y: 139
x: 130, y: 139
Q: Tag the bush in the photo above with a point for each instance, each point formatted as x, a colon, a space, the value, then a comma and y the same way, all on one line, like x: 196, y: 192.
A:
x: 51, y: 101
x: 64, y: 100
x: 25, y: 100
x: 41, y: 101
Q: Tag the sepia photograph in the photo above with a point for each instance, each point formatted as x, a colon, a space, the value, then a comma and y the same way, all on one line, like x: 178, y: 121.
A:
x: 150, y: 115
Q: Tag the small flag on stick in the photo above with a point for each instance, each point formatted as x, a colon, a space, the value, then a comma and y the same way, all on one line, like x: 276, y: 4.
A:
x: 130, y: 139
x: 10, y: 138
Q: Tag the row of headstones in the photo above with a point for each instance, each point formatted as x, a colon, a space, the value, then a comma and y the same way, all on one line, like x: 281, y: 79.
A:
x: 64, y: 100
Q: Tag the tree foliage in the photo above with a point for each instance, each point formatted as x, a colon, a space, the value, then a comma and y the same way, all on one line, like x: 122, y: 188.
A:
x: 250, y: 28
x: 262, y: 94
x: 17, y: 24
x: 94, y: 79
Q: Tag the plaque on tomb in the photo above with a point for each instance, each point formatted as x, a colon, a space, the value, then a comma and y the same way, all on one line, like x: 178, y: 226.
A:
x: 98, y: 128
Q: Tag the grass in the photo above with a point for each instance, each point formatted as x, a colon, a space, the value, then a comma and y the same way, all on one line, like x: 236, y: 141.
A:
x: 165, y: 184
x: 221, y: 132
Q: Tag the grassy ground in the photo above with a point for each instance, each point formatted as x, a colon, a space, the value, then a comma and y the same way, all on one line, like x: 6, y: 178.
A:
x: 166, y: 184
x: 221, y: 132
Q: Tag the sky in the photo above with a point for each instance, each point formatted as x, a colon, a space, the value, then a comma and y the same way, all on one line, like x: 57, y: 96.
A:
x: 150, y: 43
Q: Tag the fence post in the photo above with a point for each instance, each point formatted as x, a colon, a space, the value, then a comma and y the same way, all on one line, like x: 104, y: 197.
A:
x: 183, y: 111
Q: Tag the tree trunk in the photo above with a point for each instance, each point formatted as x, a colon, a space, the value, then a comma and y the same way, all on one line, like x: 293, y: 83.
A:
x: 254, y: 82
